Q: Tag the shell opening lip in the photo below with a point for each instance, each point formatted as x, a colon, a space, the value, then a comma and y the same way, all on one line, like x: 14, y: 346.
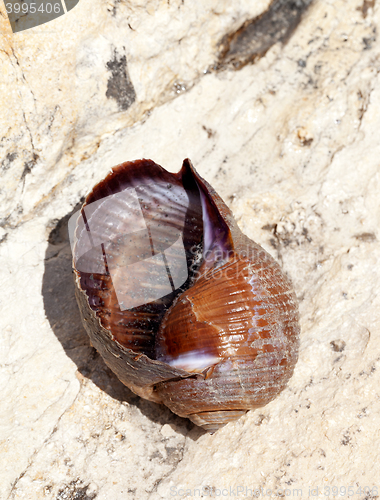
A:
x: 192, y: 361
x: 216, y: 232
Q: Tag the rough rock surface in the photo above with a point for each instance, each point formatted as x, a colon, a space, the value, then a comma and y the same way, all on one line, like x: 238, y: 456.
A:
x: 291, y: 142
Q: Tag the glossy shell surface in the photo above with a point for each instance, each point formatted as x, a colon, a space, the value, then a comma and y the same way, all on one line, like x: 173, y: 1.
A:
x: 183, y: 307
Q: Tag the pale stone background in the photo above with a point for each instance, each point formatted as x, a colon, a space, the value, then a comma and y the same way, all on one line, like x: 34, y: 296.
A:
x: 291, y: 143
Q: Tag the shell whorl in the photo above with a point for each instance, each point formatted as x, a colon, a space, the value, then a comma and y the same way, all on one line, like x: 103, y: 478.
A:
x: 221, y: 342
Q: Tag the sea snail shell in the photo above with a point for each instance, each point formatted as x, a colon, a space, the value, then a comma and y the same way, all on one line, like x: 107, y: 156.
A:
x: 184, y: 308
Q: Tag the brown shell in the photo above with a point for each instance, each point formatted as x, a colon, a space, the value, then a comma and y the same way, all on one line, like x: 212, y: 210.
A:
x: 223, y: 342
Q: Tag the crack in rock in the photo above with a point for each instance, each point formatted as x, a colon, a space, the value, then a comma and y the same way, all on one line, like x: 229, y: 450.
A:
x: 256, y: 36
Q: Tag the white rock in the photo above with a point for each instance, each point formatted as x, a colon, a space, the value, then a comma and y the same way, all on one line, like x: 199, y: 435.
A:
x: 291, y: 143
x: 58, y: 82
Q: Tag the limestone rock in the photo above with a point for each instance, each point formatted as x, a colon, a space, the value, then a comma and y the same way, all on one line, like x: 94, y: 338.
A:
x: 101, y: 67
x: 291, y: 143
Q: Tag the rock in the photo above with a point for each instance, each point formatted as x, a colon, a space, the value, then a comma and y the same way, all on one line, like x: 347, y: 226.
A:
x: 101, y: 67
x: 291, y: 143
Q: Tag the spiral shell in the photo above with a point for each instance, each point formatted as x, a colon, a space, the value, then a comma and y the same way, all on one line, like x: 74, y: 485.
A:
x: 184, y: 308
